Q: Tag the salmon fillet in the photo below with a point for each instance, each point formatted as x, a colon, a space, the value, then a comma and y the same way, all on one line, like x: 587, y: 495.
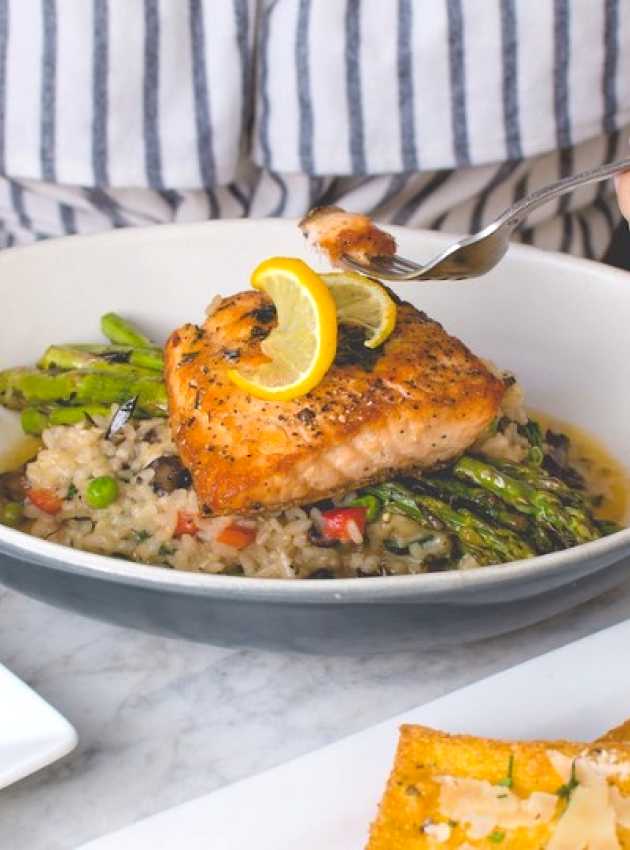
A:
x: 337, y: 232
x: 421, y: 399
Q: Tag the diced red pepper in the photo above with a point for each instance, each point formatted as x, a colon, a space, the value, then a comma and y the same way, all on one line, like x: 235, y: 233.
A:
x: 186, y: 524
x: 335, y: 522
x: 46, y: 500
x: 237, y: 536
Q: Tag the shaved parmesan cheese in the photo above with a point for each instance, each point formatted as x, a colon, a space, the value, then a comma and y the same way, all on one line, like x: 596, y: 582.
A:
x: 561, y: 764
x: 606, y: 763
x: 440, y: 831
x: 589, y: 821
x: 484, y: 807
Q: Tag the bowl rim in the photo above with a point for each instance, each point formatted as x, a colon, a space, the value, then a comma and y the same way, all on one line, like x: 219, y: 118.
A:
x: 65, y: 559
x: 24, y: 547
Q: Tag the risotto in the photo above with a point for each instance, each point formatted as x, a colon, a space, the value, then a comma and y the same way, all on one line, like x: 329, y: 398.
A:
x: 156, y: 518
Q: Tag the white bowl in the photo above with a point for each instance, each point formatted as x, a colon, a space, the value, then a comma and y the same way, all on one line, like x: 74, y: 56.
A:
x: 559, y: 323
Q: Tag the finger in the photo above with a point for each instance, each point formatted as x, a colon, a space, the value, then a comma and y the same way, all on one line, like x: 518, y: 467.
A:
x: 622, y: 184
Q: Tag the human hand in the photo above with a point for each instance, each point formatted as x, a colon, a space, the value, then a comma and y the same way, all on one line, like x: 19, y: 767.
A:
x: 622, y: 184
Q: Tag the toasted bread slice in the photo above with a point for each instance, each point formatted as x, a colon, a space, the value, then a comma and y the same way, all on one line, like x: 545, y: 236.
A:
x: 458, y: 791
x: 619, y: 734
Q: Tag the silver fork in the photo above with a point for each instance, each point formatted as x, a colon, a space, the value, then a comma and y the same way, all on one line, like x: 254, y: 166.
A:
x: 475, y: 255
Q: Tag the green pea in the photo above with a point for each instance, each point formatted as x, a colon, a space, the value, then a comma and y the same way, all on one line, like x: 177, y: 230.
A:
x: 372, y: 504
x: 11, y: 514
x: 33, y: 421
x: 101, y: 492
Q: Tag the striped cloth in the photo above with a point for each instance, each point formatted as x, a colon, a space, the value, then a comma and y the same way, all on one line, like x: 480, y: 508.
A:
x: 430, y: 113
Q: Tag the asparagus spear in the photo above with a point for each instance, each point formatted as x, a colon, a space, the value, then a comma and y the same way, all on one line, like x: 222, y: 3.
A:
x: 66, y: 357
x: 477, y: 533
x: 20, y: 388
x: 147, y: 358
x: 541, y: 539
x: 541, y: 480
x: 73, y: 415
x: 487, y: 544
x: 393, y: 494
x: 35, y: 421
x: 121, y: 332
x: 150, y: 358
x: 453, y: 491
x: 608, y: 526
x: 571, y: 524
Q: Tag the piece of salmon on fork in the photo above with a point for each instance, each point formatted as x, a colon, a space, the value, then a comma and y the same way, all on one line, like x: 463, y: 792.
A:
x: 338, y: 233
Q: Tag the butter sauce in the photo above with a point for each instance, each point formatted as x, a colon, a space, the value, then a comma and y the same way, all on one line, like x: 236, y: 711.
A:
x: 603, y: 474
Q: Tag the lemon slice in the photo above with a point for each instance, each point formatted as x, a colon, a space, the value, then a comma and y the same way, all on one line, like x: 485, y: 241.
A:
x: 302, y: 346
x: 360, y: 300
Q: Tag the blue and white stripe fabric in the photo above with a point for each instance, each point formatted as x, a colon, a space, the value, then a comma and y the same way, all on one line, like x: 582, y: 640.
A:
x: 430, y: 113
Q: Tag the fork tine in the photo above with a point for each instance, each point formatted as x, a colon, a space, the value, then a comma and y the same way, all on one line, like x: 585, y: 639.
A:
x: 352, y: 264
x: 405, y: 266
x: 394, y: 265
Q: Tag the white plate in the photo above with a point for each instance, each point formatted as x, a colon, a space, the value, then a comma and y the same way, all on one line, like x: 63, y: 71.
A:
x: 327, y: 799
x: 33, y: 734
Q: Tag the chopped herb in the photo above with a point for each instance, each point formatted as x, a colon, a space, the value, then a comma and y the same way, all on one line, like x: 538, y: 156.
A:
x: 164, y: 551
x: 496, y: 837
x: 565, y: 791
x: 72, y: 492
x: 532, y: 433
x: 372, y: 504
x: 141, y: 536
x: 508, y: 780
x: 493, y: 427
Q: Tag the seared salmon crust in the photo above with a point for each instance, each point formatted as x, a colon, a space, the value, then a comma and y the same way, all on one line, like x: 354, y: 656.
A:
x: 421, y: 399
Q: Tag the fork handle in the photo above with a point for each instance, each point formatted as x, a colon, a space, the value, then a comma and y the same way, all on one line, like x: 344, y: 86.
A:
x: 516, y: 214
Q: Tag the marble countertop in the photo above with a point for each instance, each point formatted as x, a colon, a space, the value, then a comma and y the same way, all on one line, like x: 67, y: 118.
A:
x: 162, y: 721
